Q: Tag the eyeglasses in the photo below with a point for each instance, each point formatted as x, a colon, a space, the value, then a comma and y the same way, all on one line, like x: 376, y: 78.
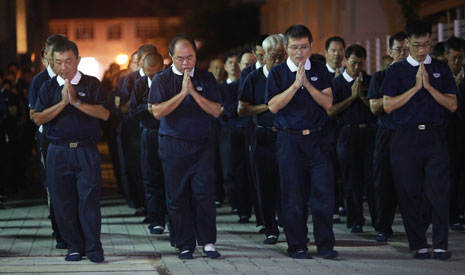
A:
x: 421, y: 46
x: 296, y: 48
x: 400, y: 49
x: 277, y: 57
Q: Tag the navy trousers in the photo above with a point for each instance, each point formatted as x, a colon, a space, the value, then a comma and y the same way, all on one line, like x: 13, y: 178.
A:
x: 152, y: 177
x: 75, y: 182
x: 266, y: 170
x: 190, y: 189
x: 386, y: 197
x: 355, y: 148
x: 420, y: 166
x: 306, y: 175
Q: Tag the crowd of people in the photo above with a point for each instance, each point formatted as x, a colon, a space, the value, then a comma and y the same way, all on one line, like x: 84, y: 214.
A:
x: 274, y: 130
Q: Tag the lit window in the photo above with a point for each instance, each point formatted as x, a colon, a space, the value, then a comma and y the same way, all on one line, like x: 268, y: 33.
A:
x: 84, y: 31
x: 59, y: 29
x: 147, y: 30
x: 114, y: 32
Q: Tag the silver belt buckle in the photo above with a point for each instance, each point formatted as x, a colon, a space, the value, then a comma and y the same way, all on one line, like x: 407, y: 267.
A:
x: 422, y: 127
x: 306, y: 132
x: 362, y: 125
x: 73, y: 145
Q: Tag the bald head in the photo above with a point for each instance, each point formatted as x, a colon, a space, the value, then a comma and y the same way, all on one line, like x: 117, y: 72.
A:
x: 217, y: 69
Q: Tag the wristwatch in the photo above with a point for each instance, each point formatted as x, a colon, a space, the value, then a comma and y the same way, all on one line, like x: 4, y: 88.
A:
x: 78, y: 102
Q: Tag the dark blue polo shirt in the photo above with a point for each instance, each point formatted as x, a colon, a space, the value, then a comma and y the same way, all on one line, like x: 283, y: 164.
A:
x: 253, y: 92
x: 302, y: 112
x: 461, y: 100
x: 71, y: 124
x: 34, y: 88
x: 229, y: 96
x: 138, y: 108
x: 422, y: 107
x: 357, y: 112
x: 384, y: 120
x: 245, y: 72
x: 188, y: 120
x: 128, y: 84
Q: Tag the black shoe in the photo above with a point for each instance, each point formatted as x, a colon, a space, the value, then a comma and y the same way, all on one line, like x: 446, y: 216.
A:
x: 328, y: 254
x: 422, y: 256
x: 381, y: 238
x: 457, y: 227
x: 73, y: 257
x: 271, y: 240
x: 442, y: 255
x: 187, y: 255
x: 157, y: 230
x: 243, y: 219
x: 98, y: 258
x: 357, y: 229
x: 212, y: 254
x: 300, y: 255
x: 61, y: 245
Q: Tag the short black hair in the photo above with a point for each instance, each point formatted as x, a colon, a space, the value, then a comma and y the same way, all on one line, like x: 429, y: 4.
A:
x: 153, y: 58
x: 297, y: 31
x: 229, y: 55
x: 335, y: 39
x: 454, y: 43
x: 438, y: 49
x: 180, y: 37
x: 53, y: 39
x: 241, y: 53
x: 318, y: 58
x: 146, y: 48
x: 418, y: 28
x: 65, y: 45
x: 42, y: 53
x: 356, y: 50
x: 399, y: 36
x: 258, y: 41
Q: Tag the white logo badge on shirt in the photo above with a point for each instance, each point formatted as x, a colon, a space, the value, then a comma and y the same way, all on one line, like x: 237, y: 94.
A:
x: 436, y: 75
x: 199, y: 88
x: 313, y: 78
x: 82, y: 94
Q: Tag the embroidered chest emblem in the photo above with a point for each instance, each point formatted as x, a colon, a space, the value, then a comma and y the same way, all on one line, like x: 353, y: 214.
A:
x: 199, y: 88
x: 313, y: 78
x: 81, y: 93
x: 436, y: 75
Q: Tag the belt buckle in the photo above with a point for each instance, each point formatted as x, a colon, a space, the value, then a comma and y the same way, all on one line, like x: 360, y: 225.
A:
x: 422, y: 127
x: 306, y: 132
x: 73, y: 145
x: 362, y: 125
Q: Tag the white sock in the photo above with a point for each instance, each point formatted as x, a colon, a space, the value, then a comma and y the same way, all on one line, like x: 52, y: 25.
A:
x: 272, y: 236
x: 209, y: 247
x: 185, y: 251
x: 159, y: 227
x: 439, y: 250
x: 423, y: 250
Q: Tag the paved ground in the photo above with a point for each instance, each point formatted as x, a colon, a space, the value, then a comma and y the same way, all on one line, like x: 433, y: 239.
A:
x: 26, y: 247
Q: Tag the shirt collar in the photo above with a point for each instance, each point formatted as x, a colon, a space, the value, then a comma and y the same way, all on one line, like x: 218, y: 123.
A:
x: 229, y: 81
x: 50, y: 72
x: 415, y: 63
x: 331, y: 70
x: 74, y: 81
x: 175, y: 71
x: 149, y: 81
x: 294, y: 68
x: 257, y: 65
x: 141, y: 72
x: 347, y: 77
x: 265, y: 71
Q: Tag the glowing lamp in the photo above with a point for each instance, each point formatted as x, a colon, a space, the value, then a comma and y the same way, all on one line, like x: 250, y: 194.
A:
x: 122, y: 59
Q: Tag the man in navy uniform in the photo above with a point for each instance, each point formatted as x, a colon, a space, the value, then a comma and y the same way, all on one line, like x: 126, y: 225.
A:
x: 355, y: 144
x: 454, y: 53
x: 151, y: 169
x: 185, y: 99
x: 386, y: 197
x: 258, y: 54
x: 70, y: 103
x: 299, y: 93
x: 419, y: 92
x: 41, y: 139
x: 252, y: 102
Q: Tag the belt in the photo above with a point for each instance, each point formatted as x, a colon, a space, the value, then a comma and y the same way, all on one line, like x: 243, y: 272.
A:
x: 303, y: 132
x: 361, y: 125
x: 274, y: 129
x: 73, y: 144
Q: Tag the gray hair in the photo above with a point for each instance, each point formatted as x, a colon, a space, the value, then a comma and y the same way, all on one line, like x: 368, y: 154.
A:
x: 272, y: 42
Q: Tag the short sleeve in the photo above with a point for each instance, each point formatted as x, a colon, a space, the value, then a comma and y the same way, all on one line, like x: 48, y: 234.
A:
x: 157, y: 93
x: 44, y: 98
x: 390, y: 86
x: 246, y: 93
x: 375, y: 85
x: 272, y: 85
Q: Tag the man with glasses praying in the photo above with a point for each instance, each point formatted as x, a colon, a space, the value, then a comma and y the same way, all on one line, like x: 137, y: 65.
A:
x: 298, y: 92
x: 419, y: 92
x: 385, y: 192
